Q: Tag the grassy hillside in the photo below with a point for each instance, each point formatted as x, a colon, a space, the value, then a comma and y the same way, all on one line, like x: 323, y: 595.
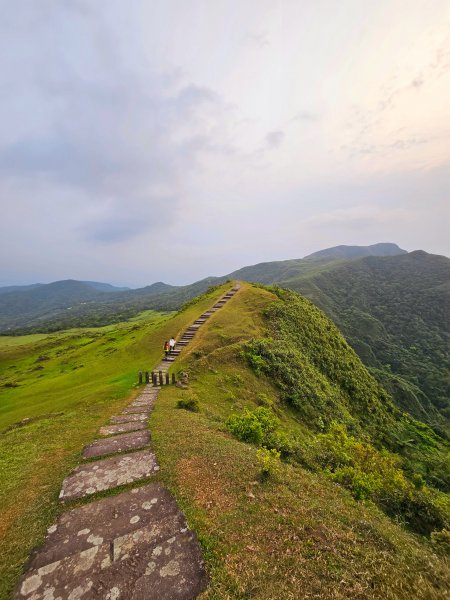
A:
x: 56, y: 391
x: 287, y: 472
x: 395, y: 313
x: 294, y: 527
x: 64, y: 304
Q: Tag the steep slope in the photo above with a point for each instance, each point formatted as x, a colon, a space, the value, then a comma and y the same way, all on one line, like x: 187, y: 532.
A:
x: 395, y: 312
x: 266, y: 371
x: 270, y: 272
x: 63, y: 304
x: 269, y: 529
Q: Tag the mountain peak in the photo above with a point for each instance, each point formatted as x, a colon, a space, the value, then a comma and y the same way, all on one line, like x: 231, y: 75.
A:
x: 348, y: 252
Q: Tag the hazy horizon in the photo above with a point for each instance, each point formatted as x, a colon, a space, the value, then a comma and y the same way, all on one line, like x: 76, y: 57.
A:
x: 187, y: 282
x: 170, y: 141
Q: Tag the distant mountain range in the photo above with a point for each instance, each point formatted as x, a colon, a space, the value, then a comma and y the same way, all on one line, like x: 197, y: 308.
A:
x: 392, y: 306
x: 61, y: 304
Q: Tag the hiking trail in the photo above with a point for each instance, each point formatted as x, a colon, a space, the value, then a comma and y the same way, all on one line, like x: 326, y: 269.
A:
x: 134, y: 545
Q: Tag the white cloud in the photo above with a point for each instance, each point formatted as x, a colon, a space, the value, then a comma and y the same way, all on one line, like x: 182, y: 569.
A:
x: 168, y: 140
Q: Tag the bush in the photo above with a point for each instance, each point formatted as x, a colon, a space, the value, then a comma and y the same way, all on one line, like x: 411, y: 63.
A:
x: 260, y: 427
x: 264, y: 400
x: 269, y: 461
x: 377, y: 475
x: 251, y: 427
x: 189, y: 404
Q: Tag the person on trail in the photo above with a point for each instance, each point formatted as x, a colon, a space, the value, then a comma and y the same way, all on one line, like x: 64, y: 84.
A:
x: 166, y: 348
x: 172, y: 343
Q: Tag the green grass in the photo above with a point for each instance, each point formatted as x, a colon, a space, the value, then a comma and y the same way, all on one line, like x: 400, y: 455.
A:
x: 295, y: 534
x: 288, y: 535
x: 65, y: 386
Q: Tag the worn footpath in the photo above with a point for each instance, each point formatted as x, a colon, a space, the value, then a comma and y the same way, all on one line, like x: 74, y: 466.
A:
x: 132, y: 545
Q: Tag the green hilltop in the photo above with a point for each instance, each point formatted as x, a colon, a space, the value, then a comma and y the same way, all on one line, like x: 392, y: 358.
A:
x: 293, y: 464
x: 394, y: 311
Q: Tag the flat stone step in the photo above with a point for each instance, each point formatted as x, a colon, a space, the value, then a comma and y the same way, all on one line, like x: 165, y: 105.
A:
x: 129, y: 418
x: 118, y: 443
x: 107, y: 474
x: 122, y: 428
x: 133, y: 546
x: 143, y: 403
x: 145, y: 399
x: 138, y: 408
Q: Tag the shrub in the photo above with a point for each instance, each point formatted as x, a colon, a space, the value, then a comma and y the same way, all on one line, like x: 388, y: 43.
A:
x: 260, y: 427
x: 377, y: 475
x: 189, y: 404
x: 269, y: 461
x: 441, y: 541
x: 264, y: 400
x: 246, y: 427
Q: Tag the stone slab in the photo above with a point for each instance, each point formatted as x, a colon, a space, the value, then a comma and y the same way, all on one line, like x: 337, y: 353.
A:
x: 133, y: 546
x: 129, y: 418
x: 105, y: 520
x: 127, y: 569
x: 118, y: 443
x: 122, y: 428
x: 139, y: 408
x: 109, y: 473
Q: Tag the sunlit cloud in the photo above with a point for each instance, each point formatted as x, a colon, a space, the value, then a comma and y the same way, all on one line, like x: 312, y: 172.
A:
x: 138, y: 140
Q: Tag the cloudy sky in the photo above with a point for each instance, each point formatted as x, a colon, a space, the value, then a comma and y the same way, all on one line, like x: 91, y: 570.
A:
x: 170, y: 140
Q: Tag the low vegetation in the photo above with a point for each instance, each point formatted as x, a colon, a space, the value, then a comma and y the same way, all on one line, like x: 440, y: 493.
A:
x: 331, y: 511
x: 57, y: 390
x: 298, y: 473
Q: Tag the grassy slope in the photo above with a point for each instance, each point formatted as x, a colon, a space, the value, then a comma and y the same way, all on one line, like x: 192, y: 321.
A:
x: 88, y: 376
x: 393, y: 310
x: 295, y: 536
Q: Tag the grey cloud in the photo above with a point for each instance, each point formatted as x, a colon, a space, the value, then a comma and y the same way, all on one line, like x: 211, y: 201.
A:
x: 104, y: 126
x: 259, y: 39
x: 116, y: 229
x: 305, y: 115
x: 417, y: 82
x: 274, y: 139
x: 363, y: 149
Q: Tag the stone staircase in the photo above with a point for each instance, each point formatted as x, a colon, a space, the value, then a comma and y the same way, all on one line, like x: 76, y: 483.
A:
x: 191, y: 331
x: 134, y: 545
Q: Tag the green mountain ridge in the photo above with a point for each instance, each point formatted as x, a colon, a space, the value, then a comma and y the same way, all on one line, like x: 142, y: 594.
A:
x: 392, y: 306
x: 295, y: 470
x: 43, y: 307
x: 395, y: 312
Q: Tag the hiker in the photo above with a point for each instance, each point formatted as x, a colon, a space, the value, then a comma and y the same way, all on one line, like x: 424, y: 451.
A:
x: 172, y: 343
x: 166, y: 348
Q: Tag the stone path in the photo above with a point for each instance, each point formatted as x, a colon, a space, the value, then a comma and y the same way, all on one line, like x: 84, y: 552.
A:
x: 134, y: 545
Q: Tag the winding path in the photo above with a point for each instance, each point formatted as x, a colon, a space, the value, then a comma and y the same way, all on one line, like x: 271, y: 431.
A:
x: 134, y: 545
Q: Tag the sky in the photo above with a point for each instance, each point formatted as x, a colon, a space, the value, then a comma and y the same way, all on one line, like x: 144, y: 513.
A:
x: 171, y: 140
